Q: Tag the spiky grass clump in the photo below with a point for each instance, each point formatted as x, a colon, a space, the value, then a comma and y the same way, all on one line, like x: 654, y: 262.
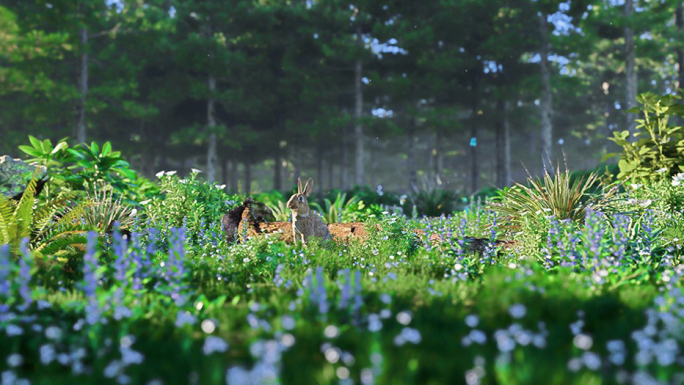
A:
x: 103, y: 210
x: 551, y: 196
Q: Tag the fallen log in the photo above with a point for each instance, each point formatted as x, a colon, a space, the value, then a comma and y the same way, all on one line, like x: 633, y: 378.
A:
x: 339, y: 231
x: 254, y: 219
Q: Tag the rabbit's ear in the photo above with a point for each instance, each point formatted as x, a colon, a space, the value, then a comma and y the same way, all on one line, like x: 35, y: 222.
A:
x: 299, y: 185
x: 308, y: 189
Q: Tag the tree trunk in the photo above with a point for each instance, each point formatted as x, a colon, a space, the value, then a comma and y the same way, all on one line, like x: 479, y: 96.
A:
x: 330, y: 172
x: 438, y: 161
x: 429, y: 170
x: 679, y: 20
x: 83, y: 85
x: 372, y: 149
x: 224, y: 170
x: 344, y: 170
x: 631, y: 81
x: 319, y: 167
x: 358, y: 127
x: 277, y: 178
x: 474, y: 164
x: 234, y: 174
x: 297, y: 161
x: 212, y: 150
x: 503, y: 147
x: 411, y: 155
x: 546, y: 101
x: 248, y: 177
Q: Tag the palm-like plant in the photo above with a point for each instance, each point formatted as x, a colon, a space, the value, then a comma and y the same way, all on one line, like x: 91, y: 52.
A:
x: 331, y: 211
x: 280, y: 210
x: 52, y: 228
x: 552, y: 196
x: 102, y: 210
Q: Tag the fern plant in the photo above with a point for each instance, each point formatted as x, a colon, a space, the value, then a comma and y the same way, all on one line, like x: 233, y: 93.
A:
x: 53, y: 229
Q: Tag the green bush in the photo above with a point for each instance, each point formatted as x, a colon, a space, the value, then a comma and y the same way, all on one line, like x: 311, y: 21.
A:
x: 82, y: 167
x: 189, y: 203
x: 659, y: 149
x: 434, y: 202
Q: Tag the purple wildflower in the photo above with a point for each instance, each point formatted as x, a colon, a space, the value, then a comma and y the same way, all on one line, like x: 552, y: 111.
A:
x: 122, y: 262
x: 277, y: 279
x: 5, y: 270
x: 176, y: 265
x: 24, y: 278
x: 137, y: 260
x: 90, y: 266
x: 345, y: 289
x: 358, y: 300
x: 322, y: 295
x: 153, y: 235
x: 620, y: 235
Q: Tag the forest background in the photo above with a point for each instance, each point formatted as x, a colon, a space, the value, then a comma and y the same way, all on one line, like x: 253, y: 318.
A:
x: 454, y: 94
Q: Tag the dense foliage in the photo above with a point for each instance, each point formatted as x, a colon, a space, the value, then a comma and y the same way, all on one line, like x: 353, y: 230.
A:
x: 588, y: 289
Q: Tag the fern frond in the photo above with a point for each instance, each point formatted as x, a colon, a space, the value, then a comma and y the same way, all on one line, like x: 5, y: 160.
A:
x: 6, y: 221
x: 45, y: 214
x: 51, y: 246
x: 70, y: 222
x: 23, y: 214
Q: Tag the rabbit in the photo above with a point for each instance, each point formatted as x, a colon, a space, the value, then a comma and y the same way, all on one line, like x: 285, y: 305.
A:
x: 305, y: 224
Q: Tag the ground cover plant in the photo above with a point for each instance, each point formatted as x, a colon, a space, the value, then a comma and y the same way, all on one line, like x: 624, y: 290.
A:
x: 584, y: 289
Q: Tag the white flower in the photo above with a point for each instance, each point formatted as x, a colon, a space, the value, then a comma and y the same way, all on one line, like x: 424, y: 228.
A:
x: 195, y: 171
x: 677, y: 179
x: 662, y: 170
x: 635, y: 186
x: 171, y: 173
x: 159, y: 174
x: 220, y: 186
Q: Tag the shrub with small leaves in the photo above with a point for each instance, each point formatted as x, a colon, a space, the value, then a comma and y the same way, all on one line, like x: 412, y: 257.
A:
x: 659, y: 149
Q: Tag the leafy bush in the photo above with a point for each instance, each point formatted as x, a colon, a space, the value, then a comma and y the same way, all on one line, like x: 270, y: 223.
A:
x: 659, y: 148
x: 82, y: 167
x: 367, y: 195
x: 552, y: 196
x: 188, y: 203
x: 434, y: 202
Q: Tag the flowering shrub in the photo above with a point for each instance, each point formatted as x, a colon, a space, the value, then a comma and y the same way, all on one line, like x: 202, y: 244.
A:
x: 189, y: 202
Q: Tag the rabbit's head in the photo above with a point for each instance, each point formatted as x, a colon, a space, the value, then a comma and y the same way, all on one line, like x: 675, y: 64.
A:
x: 297, y: 202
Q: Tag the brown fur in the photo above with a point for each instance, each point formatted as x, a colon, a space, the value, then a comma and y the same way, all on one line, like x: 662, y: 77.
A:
x: 305, y: 224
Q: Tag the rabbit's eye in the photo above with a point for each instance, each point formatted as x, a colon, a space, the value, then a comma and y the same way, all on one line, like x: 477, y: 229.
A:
x: 301, y: 199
